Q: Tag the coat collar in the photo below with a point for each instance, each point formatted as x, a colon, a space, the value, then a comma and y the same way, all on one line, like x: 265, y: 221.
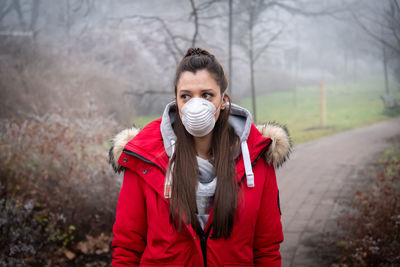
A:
x: 148, y: 143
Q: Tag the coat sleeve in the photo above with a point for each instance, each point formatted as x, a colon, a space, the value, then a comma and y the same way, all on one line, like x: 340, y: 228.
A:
x: 268, y: 232
x: 130, y: 225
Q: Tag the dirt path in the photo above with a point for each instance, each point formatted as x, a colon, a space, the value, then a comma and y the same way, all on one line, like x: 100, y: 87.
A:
x: 315, y: 176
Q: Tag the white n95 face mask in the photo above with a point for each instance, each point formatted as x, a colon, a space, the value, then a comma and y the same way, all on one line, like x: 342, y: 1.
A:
x: 198, y: 116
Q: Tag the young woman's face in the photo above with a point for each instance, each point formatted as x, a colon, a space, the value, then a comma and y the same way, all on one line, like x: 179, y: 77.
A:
x: 200, y: 84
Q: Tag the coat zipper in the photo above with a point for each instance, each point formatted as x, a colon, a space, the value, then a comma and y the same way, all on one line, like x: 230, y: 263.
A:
x: 131, y: 153
x: 203, y: 245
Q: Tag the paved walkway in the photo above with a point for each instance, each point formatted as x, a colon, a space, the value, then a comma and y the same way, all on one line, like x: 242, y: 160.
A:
x: 315, y: 176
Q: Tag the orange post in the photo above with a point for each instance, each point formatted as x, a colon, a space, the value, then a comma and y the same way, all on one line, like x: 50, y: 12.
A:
x: 322, y: 105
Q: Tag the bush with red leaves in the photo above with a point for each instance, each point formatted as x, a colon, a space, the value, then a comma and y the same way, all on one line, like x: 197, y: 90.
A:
x: 56, y: 187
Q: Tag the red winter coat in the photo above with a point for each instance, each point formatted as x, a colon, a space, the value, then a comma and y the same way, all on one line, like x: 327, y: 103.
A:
x: 143, y: 235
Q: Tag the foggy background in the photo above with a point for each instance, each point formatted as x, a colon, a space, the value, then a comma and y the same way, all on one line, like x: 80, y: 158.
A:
x: 120, y: 56
x: 75, y: 72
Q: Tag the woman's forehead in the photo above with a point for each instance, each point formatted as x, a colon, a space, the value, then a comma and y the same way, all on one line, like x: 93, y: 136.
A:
x: 201, y: 80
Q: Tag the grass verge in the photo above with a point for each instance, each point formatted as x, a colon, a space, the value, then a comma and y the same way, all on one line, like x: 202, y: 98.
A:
x: 348, y: 105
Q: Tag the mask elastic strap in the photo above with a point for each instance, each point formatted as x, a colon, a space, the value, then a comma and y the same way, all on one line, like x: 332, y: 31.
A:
x: 222, y: 99
x: 220, y: 104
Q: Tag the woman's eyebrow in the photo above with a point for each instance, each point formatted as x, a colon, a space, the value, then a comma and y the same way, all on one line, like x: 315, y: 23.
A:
x: 202, y: 90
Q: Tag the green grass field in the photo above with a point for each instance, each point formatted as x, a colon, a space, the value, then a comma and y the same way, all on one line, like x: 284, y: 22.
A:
x: 348, y: 105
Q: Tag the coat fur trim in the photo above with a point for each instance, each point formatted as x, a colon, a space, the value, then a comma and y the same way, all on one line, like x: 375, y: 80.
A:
x: 277, y: 153
x: 281, y: 145
x: 118, y: 143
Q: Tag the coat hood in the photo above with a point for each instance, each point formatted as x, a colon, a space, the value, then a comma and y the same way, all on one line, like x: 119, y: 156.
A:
x: 276, y: 154
x: 239, y: 119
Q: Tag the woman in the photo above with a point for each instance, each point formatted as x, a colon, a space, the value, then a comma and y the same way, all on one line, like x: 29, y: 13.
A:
x: 199, y: 184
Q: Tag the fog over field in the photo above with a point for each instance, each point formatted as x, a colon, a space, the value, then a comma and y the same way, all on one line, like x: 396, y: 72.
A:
x: 121, y: 55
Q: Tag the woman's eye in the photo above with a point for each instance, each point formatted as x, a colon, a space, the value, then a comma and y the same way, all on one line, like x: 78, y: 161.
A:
x: 207, y: 95
x: 185, y: 96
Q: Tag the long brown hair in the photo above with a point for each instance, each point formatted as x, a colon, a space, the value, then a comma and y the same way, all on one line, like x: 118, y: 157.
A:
x: 224, y: 145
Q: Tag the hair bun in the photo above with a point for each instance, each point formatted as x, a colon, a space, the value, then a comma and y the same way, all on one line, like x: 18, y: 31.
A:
x: 196, y: 51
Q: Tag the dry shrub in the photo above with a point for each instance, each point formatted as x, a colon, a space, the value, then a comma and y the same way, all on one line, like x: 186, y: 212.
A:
x: 58, y: 164
x: 35, y: 76
x: 371, y: 224
x: 28, y: 233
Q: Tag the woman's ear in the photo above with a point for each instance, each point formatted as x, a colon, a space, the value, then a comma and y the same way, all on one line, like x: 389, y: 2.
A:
x: 224, y: 101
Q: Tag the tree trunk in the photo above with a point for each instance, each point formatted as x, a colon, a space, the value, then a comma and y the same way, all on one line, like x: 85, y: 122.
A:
x: 297, y: 66
x: 253, y: 91
x: 196, y: 23
x: 354, y: 65
x: 68, y: 18
x: 230, y: 87
x: 385, y: 72
x: 34, y: 16
x: 34, y: 13
x: 17, y: 7
x: 251, y: 59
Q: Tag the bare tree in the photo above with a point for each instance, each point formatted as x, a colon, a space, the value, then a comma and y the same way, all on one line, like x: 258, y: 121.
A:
x: 7, y: 7
x: 74, y: 11
x: 29, y: 13
x: 230, y: 44
x: 173, y: 42
x: 195, y: 22
x: 259, y: 33
x: 383, y: 26
x: 34, y: 16
x: 262, y: 26
x: 382, y: 23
